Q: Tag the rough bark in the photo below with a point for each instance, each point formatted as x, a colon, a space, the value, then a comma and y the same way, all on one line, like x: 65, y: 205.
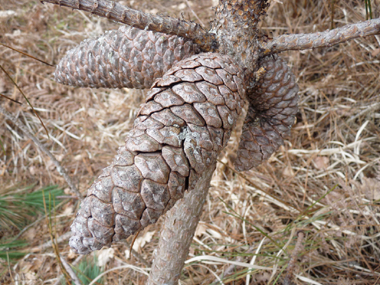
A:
x: 235, y: 26
x: 144, y: 21
x: 208, y: 40
x: 177, y: 233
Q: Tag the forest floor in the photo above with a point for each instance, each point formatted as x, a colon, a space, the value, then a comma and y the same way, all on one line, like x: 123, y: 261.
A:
x: 311, y: 213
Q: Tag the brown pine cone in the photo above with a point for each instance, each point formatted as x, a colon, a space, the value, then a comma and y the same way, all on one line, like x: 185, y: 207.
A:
x: 271, y: 114
x: 178, y: 133
x: 127, y: 57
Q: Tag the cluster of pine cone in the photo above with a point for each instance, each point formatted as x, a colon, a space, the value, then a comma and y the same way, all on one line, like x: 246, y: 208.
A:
x: 190, y: 110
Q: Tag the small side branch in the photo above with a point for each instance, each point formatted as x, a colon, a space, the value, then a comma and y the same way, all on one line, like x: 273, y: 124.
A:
x: 59, y: 167
x: 324, y: 39
x: 292, y: 262
x: 144, y: 21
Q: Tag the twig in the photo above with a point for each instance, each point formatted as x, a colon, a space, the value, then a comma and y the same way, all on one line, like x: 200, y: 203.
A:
x: 28, y: 227
x: 53, y: 243
x: 324, y: 39
x: 195, y: 14
x: 26, y: 98
x: 69, y: 270
x: 2, y: 95
x: 73, y: 263
x: 137, y: 255
x: 133, y: 242
x: 67, y: 197
x: 60, y: 169
x: 230, y: 269
x: 26, y: 54
x: 292, y: 262
x: 332, y: 14
x: 48, y: 244
x: 145, y: 21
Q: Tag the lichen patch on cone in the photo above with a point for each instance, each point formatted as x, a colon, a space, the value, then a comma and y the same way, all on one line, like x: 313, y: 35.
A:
x: 178, y: 134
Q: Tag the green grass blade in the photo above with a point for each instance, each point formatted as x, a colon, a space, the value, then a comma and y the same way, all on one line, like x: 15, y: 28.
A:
x: 368, y: 9
x: 88, y: 270
x: 17, y: 209
x: 8, y: 250
x: 236, y: 215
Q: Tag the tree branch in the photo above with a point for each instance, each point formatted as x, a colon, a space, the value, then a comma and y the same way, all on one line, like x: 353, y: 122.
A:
x: 324, y: 39
x: 59, y: 167
x: 177, y: 234
x: 235, y: 26
x: 144, y: 21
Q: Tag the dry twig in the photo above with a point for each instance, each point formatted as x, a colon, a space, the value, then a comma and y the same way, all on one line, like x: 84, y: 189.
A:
x: 325, y: 39
x: 293, y: 258
x: 71, y: 272
x: 75, y: 262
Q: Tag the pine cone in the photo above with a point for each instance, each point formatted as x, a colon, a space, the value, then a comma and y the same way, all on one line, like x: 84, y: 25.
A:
x: 271, y: 114
x: 178, y: 133
x: 127, y: 57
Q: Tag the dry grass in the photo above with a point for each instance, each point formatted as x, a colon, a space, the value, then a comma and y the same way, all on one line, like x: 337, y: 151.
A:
x: 325, y: 180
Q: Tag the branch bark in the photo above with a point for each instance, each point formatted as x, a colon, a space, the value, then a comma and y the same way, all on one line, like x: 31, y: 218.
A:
x: 324, y: 39
x: 235, y: 26
x: 143, y: 21
x: 177, y: 234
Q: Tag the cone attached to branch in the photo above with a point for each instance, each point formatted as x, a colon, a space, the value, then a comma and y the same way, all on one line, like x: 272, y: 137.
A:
x: 179, y: 131
x: 127, y: 57
x: 271, y: 113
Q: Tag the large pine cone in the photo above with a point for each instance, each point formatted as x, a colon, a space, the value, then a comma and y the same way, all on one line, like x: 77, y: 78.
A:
x: 178, y: 133
x: 127, y: 57
x: 271, y: 114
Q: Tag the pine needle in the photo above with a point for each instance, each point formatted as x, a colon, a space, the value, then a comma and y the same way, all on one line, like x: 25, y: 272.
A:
x: 24, y: 53
x: 19, y: 89
x: 368, y: 9
x: 88, y: 270
x: 54, y: 244
x: 8, y: 249
x: 19, y: 207
x: 2, y: 95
